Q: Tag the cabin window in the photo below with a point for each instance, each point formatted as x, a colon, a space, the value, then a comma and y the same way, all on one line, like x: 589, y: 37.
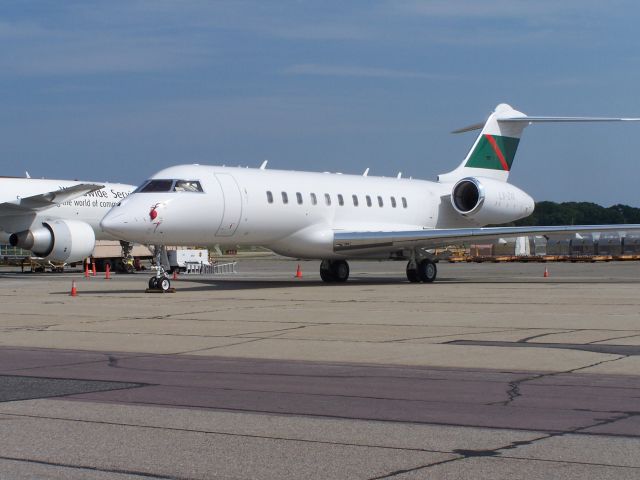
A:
x: 299, y: 197
x: 269, y: 197
x: 380, y: 203
x: 157, y: 186
x: 285, y: 198
x: 368, y: 201
x: 340, y: 200
x: 314, y: 199
x: 327, y: 199
x: 187, y: 186
x: 393, y: 202
x: 404, y: 202
x: 355, y: 200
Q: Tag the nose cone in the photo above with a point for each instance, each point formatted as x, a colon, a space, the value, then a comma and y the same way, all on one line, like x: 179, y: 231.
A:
x: 114, y: 224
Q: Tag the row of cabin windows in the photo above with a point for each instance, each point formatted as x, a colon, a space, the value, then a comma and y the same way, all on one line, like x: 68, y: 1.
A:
x: 327, y: 199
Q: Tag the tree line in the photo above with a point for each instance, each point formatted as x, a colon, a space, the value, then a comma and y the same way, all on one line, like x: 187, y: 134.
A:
x: 579, y: 213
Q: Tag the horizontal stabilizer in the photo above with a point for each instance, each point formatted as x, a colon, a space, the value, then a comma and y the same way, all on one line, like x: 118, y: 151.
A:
x: 528, y: 119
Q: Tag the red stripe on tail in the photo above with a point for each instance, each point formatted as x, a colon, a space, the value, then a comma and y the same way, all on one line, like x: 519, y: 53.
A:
x: 494, y: 145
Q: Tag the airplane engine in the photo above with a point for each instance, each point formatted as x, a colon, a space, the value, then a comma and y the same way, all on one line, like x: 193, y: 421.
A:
x: 487, y: 201
x: 58, y: 240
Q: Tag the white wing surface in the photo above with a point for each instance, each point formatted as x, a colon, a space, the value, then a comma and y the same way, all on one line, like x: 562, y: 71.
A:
x: 46, y: 200
x: 376, y: 242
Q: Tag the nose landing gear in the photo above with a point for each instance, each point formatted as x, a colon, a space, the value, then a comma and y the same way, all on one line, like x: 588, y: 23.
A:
x: 160, y: 281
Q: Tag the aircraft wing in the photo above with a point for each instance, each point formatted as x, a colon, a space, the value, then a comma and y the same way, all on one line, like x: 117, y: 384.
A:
x: 375, y: 242
x: 42, y: 201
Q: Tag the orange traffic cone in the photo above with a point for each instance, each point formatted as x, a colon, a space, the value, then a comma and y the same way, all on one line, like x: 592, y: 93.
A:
x: 175, y: 274
x: 298, y: 272
x: 74, y: 290
x: 93, y: 268
x: 546, y: 272
x: 107, y: 272
x: 86, y: 270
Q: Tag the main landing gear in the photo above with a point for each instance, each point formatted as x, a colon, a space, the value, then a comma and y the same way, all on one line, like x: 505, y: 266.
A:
x: 160, y: 281
x: 424, y: 271
x: 334, y: 271
x: 337, y: 271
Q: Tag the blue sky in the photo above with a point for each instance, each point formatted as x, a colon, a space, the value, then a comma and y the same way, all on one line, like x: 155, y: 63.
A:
x: 114, y: 91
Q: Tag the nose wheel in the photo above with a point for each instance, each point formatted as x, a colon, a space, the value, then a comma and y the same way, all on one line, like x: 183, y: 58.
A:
x: 159, y: 283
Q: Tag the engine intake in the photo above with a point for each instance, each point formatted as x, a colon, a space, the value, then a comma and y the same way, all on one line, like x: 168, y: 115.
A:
x: 467, y: 196
x: 487, y: 201
x: 58, y: 240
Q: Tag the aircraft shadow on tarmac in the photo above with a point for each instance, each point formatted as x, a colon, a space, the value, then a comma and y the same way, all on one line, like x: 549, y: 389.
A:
x: 227, y: 284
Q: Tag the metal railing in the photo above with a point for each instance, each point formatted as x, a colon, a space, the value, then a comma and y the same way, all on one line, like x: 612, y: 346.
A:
x: 214, y: 269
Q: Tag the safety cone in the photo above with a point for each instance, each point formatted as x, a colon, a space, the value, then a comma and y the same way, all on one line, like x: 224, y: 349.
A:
x: 93, y: 268
x: 107, y: 272
x: 175, y: 274
x: 74, y: 290
x: 298, y: 272
x: 546, y: 272
x: 86, y: 270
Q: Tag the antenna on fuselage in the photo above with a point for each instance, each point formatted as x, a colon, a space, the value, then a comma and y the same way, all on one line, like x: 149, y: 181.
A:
x: 366, y: 172
x: 399, y: 175
x: 264, y: 165
x: 26, y: 174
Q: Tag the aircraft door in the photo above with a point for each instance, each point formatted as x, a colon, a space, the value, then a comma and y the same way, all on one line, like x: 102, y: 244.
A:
x: 232, y: 205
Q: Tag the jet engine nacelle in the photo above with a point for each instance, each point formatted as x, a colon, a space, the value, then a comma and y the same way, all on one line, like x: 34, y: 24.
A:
x: 487, y: 201
x: 59, y: 240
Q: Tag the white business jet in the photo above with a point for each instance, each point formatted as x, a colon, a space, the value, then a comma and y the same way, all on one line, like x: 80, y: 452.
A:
x: 58, y: 220
x: 334, y: 217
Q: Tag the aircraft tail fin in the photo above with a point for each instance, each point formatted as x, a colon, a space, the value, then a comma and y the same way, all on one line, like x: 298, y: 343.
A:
x: 494, y: 150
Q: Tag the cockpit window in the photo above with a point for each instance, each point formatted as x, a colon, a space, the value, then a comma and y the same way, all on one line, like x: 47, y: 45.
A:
x: 157, y: 186
x: 187, y: 186
x: 169, y: 186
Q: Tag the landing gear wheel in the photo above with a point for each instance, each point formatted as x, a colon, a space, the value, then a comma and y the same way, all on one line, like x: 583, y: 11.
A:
x: 326, y: 273
x: 153, y: 283
x: 412, y: 273
x: 427, y: 271
x: 334, y: 271
x: 164, y: 284
x: 340, y: 269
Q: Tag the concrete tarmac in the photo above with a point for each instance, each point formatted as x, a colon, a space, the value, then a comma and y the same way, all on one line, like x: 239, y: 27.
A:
x: 491, y: 372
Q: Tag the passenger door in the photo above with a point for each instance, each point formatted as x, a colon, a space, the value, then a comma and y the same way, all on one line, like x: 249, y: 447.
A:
x: 232, y: 205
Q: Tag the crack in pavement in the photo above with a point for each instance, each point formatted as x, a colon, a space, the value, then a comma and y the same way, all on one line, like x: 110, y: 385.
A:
x: 513, y: 391
x: 498, y: 452
x: 526, y: 339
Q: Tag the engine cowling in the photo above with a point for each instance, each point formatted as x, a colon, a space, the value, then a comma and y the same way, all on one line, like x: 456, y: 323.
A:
x: 487, y: 201
x: 59, y: 240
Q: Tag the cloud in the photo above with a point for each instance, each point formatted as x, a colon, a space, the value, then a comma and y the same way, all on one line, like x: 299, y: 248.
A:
x: 353, y: 71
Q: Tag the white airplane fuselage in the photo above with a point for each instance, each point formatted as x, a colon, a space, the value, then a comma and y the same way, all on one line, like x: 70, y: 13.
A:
x: 246, y: 206
x: 89, y: 208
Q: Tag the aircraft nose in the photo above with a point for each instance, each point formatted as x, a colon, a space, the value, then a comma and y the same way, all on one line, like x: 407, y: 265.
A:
x: 116, y: 224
